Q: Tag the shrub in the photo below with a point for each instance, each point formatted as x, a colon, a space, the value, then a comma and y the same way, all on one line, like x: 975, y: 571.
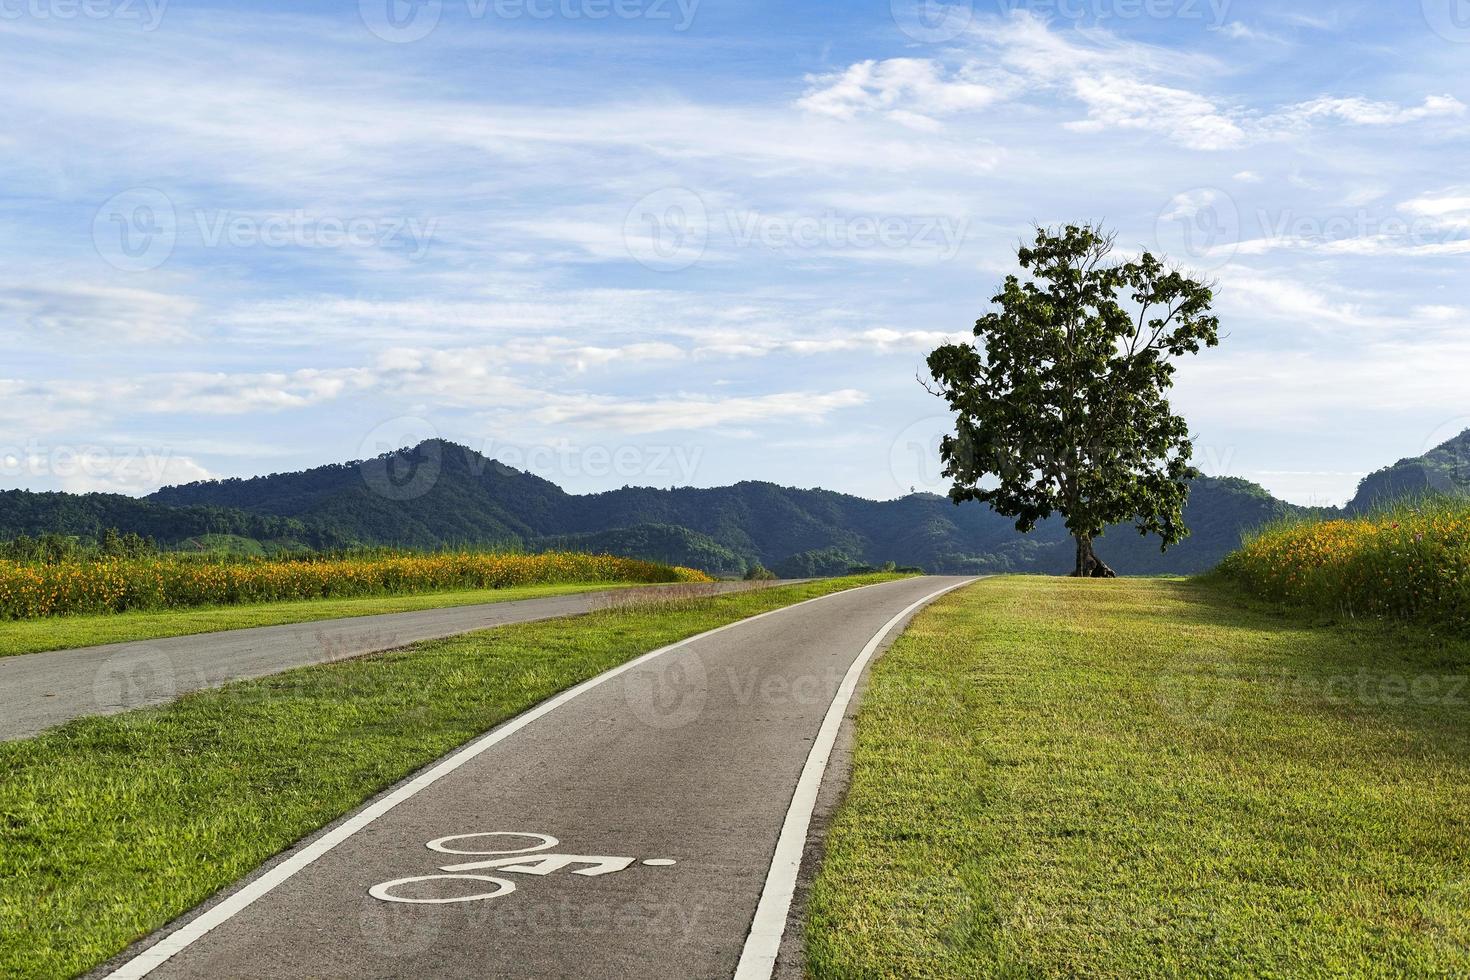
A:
x: 1411, y: 562
x: 30, y: 590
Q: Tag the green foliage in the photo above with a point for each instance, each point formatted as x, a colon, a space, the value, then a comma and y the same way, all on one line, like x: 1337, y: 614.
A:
x: 821, y: 563
x: 477, y: 503
x: 1443, y: 471
x: 173, y: 581
x: 1063, y: 402
x: 52, y: 548
x: 665, y: 543
x: 1409, y: 561
x: 759, y: 573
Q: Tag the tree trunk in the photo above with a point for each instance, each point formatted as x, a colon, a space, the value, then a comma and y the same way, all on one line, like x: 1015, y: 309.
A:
x: 1089, y: 565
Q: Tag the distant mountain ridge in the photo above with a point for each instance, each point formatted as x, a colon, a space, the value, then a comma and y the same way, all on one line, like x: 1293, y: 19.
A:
x: 440, y: 493
x: 1444, y: 470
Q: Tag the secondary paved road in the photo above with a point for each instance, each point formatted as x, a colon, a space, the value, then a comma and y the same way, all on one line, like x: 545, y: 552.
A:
x: 39, y: 690
x: 647, y: 805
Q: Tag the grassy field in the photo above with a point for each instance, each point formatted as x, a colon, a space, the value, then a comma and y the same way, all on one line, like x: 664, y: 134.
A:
x: 1408, y: 562
x: 70, y: 632
x: 110, y: 827
x: 1151, y: 779
x: 82, y: 586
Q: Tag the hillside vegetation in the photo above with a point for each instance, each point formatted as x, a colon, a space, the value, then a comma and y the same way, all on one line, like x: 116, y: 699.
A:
x: 454, y: 496
x: 1443, y: 471
x: 1410, y: 561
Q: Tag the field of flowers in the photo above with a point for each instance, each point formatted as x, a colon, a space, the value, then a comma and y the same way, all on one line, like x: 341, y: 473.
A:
x: 30, y: 590
x: 1411, y: 562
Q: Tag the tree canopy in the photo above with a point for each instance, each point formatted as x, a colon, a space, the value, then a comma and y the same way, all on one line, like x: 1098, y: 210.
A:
x: 1061, y: 404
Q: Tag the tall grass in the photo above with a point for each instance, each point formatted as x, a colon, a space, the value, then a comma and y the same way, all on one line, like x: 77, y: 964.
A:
x: 1408, y: 561
x: 31, y: 590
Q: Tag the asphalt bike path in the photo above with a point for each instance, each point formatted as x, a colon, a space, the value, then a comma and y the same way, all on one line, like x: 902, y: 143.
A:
x: 40, y: 690
x: 647, y: 823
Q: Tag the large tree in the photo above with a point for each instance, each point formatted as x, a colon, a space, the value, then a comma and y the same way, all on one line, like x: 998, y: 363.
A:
x: 1061, y: 402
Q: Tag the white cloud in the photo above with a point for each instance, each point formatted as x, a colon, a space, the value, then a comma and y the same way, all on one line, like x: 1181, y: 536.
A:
x: 1365, y: 112
x: 1447, y: 209
x: 1190, y: 120
x: 911, y: 90
x: 1123, y: 85
x: 690, y: 412
x: 50, y: 307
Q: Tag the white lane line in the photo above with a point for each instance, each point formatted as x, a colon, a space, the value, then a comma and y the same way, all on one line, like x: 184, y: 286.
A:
x: 175, y: 942
x: 758, y: 958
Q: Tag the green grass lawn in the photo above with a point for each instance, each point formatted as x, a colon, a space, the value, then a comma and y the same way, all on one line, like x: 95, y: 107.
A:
x: 1151, y: 779
x: 110, y: 827
x: 70, y: 632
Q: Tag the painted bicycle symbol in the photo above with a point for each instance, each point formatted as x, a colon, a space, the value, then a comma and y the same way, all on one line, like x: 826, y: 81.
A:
x: 533, y: 860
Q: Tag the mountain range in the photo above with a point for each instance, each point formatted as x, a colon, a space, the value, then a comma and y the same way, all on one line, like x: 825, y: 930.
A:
x: 439, y: 493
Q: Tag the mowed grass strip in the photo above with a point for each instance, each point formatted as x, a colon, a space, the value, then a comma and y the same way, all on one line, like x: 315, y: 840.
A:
x: 71, y: 632
x: 1151, y: 779
x: 111, y: 827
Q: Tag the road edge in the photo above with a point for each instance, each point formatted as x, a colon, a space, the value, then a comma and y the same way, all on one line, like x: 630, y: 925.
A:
x: 768, y: 928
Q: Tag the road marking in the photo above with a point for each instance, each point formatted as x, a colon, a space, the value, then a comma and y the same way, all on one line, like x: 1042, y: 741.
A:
x: 524, y: 861
x: 191, y: 932
x: 546, y: 841
x: 383, y: 892
x: 758, y: 958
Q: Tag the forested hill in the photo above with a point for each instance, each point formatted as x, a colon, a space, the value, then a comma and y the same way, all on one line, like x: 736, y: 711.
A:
x: 439, y: 494
x: 1445, y: 469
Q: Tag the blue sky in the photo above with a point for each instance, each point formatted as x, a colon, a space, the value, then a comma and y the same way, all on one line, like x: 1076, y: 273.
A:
x: 697, y: 241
